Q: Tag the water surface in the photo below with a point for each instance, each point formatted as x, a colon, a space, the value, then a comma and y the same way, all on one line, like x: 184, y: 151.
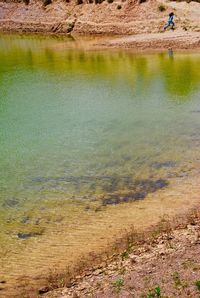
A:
x: 83, y: 132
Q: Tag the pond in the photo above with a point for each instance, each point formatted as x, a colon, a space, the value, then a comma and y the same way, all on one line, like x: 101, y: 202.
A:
x: 91, y: 143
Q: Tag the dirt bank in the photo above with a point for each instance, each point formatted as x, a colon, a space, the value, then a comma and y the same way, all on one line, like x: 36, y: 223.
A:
x: 164, y: 263
x: 117, y: 17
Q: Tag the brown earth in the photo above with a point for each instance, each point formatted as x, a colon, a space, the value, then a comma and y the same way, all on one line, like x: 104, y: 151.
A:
x: 105, y: 18
x: 167, y: 261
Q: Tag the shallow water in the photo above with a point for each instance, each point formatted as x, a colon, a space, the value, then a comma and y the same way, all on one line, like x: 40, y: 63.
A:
x: 87, y: 131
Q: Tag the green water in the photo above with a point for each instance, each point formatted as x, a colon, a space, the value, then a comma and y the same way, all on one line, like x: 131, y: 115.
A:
x: 75, y: 125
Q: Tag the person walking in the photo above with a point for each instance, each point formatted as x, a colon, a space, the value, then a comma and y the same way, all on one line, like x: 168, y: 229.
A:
x: 170, y: 22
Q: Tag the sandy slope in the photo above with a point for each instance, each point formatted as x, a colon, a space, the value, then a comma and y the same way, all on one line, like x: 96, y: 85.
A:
x: 105, y: 18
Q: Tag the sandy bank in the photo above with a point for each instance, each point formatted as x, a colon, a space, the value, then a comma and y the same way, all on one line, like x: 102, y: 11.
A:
x: 177, y: 40
x: 115, y: 17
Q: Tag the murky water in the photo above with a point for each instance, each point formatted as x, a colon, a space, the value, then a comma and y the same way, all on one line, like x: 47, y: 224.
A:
x: 88, y: 140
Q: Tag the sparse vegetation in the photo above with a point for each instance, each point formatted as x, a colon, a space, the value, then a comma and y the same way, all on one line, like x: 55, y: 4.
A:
x: 161, y: 8
x: 110, y: 1
x: 119, y: 6
x: 79, y: 2
x: 177, y: 280
x: 118, y: 284
x: 124, y: 255
x: 197, y: 283
x: 70, y: 27
x: 155, y: 293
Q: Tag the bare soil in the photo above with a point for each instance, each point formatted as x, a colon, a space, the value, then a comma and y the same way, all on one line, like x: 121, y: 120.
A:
x: 121, y: 17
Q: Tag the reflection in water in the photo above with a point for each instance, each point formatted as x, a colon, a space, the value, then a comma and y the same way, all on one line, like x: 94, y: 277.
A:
x: 171, y: 53
x: 41, y: 54
x: 84, y: 135
x: 184, y: 78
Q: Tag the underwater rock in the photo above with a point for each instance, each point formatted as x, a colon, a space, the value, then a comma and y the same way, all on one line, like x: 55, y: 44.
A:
x: 111, y: 185
x: 150, y: 186
x: 25, y: 220
x: 87, y: 208
x: 137, y: 189
x: 141, y: 188
x: 40, y: 179
x: 114, y: 199
x: 166, y: 164
x: 24, y: 236
x: 10, y: 202
x: 126, y: 157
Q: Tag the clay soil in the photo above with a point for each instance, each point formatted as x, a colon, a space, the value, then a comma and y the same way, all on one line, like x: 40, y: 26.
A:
x: 163, y: 263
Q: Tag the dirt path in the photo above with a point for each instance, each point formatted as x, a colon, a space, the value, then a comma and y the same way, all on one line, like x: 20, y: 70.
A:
x: 167, y: 265
x: 156, y: 41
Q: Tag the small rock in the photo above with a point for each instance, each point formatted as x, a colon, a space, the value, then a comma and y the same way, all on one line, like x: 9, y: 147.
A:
x: 98, y: 271
x: 24, y: 235
x: 133, y: 260
x: 82, y: 287
x: 43, y: 290
x: 161, y: 253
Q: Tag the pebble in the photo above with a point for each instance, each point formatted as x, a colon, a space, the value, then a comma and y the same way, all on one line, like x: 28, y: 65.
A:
x: 43, y: 290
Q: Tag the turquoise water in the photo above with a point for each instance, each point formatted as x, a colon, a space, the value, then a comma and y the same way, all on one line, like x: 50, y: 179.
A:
x: 84, y: 126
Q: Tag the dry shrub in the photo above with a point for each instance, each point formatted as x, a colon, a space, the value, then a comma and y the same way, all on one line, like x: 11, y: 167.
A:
x: 161, y: 8
x: 46, y: 2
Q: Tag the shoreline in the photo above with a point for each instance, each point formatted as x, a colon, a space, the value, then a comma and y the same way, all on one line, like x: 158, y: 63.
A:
x: 140, y: 43
x: 122, y: 273
x: 176, y: 40
x: 90, y: 260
